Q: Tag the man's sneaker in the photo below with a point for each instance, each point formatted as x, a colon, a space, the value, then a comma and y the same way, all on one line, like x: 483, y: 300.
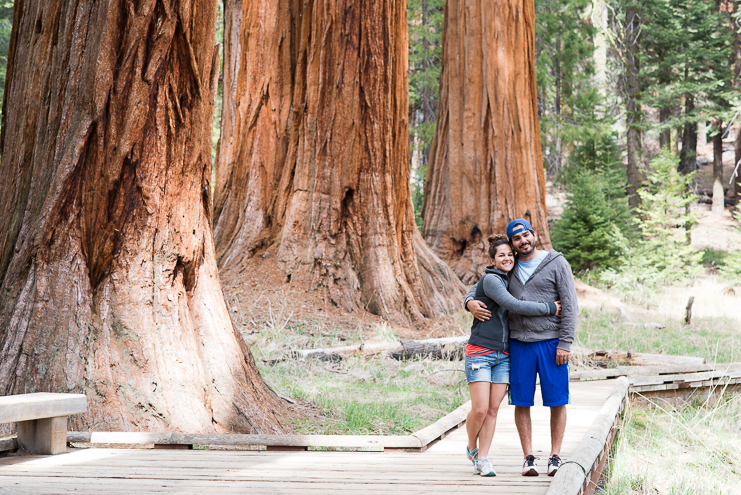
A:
x: 530, y: 467
x: 472, y: 454
x: 484, y: 467
x: 554, y: 462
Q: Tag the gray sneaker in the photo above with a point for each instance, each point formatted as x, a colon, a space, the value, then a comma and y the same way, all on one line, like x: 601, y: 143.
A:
x: 472, y: 454
x: 485, y: 468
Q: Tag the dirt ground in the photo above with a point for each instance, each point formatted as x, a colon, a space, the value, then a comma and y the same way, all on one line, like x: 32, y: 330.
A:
x: 258, y: 295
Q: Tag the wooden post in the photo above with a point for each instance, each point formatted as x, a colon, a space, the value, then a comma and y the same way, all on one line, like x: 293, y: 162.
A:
x: 47, y: 436
x: 688, y: 316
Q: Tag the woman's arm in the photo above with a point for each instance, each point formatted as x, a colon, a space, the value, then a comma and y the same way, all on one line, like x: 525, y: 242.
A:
x: 495, y: 289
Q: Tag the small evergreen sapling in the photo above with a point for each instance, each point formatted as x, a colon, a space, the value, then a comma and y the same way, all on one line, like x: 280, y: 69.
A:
x: 662, y: 255
x: 583, y: 233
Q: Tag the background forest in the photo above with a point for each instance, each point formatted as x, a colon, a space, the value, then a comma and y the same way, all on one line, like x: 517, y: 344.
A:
x: 618, y: 82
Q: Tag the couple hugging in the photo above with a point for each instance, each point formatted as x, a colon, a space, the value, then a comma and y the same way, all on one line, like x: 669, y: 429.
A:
x: 525, y: 312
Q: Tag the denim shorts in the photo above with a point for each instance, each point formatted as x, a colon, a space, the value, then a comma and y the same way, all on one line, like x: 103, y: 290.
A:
x: 492, y: 368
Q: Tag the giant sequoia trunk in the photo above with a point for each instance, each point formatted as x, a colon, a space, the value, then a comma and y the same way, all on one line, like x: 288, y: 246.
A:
x: 485, y: 163
x: 313, y: 160
x: 109, y: 279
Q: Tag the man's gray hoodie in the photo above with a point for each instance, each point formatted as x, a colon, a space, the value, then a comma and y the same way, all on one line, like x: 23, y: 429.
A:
x: 551, y: 281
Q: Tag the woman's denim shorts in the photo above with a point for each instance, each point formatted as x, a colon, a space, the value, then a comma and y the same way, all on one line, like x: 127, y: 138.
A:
x: 492, y: 368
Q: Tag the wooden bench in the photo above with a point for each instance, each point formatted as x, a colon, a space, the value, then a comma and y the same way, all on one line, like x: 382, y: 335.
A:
x: 42, y: 419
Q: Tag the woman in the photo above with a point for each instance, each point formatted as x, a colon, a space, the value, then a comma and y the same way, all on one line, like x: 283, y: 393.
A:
x: 487, y: 353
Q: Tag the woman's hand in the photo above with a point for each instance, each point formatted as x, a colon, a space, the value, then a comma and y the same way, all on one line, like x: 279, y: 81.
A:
x: 558, y: 308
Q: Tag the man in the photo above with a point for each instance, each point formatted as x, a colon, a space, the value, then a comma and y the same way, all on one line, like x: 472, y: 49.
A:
x: 539, y: 345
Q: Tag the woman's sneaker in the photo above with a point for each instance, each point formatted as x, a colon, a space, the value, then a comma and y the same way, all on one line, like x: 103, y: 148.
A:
x: 530, y: 467
x: 554, y: 462
x: 472, y: 454
x: 484, y: 467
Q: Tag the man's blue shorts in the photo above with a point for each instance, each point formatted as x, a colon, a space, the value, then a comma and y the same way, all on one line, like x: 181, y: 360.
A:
x: 530, y: 358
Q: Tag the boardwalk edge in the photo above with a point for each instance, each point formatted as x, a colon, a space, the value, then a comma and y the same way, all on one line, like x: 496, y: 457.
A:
x: 579, y: 474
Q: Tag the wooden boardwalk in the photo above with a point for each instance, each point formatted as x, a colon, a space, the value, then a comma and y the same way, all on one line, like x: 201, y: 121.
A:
x: 443, y: 468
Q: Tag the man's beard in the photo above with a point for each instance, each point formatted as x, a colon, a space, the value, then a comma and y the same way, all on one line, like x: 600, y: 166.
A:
x: 529, y: 250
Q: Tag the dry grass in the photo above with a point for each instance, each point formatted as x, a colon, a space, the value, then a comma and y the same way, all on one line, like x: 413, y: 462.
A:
x: 695, y: 449
x: 715, y: 331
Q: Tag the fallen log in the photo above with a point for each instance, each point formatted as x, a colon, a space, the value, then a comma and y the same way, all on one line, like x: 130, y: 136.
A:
x: 444, y: 348
x: 628, y: 358
x: 449, y: 349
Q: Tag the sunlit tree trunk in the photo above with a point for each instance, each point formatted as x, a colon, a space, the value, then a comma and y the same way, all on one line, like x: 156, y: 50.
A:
x: 485, y: 165
x: 109, y: 278
x: 314, y: 160
x: 736, y: 67
x: 633, y: 115
x: 718, y: 193
x: 688, y: 152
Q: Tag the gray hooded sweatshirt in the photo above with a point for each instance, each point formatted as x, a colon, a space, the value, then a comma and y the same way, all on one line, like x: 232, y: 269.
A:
x: 551, y: 281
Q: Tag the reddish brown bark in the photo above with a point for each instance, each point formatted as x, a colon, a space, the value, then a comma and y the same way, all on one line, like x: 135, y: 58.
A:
x: 109, y: 280
x: 313, y: 161
x: 486, y: 167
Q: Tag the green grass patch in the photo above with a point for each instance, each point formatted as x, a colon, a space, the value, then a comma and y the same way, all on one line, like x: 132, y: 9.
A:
x: 712, y: 338
x: 680, y: 451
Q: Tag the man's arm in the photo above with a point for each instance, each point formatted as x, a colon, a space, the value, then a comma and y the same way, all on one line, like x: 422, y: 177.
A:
x: 569, y: 306
x: 477, y: 308
x: 470, y: 295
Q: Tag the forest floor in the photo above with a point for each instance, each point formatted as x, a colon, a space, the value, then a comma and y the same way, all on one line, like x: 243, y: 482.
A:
x: 380, y: 395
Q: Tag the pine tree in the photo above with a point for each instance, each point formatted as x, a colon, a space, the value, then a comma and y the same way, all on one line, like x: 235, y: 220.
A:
x: 686, y: 47
x: 564, y: 40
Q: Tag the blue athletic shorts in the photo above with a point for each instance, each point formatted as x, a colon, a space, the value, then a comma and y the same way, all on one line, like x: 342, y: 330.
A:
x: 530, y: 358
x: 492, y: 368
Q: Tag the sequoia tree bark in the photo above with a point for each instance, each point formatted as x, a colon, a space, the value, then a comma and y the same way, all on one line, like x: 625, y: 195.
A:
x: 486, y: 167
x: 109, y: 278
x: 313, y: 159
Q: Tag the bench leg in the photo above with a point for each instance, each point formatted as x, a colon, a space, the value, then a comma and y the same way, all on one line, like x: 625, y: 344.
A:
x: 46, y: 436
